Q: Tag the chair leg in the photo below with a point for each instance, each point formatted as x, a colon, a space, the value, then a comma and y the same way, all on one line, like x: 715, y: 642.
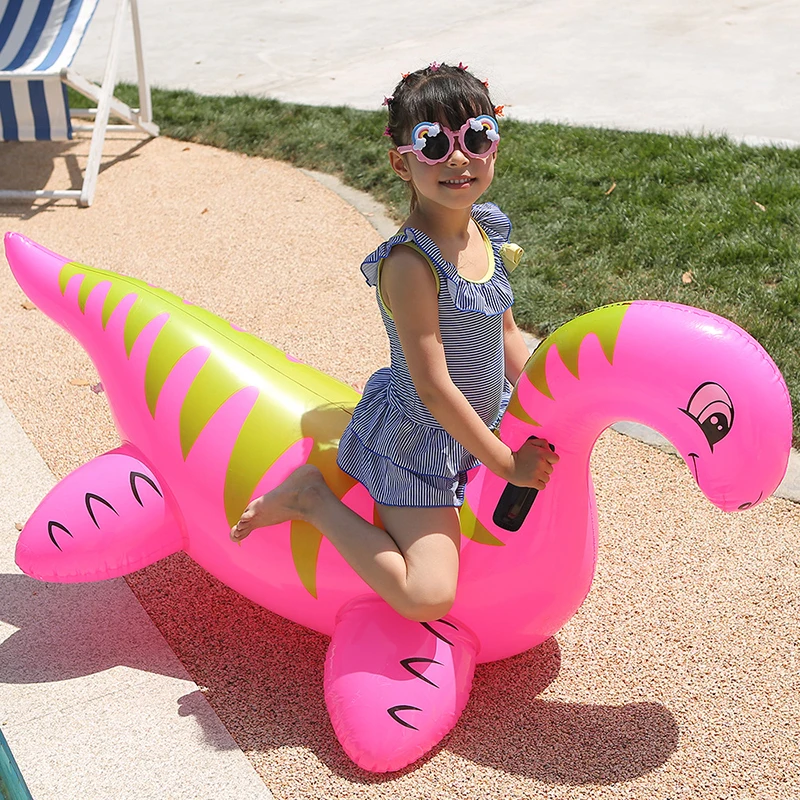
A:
x: 145, y: 101
x: 103, y: 109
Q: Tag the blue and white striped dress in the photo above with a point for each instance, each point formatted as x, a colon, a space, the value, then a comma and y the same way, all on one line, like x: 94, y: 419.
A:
x: 393, y: 444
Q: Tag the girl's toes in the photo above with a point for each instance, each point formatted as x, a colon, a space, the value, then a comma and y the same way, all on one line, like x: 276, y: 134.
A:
x: 239, y: 532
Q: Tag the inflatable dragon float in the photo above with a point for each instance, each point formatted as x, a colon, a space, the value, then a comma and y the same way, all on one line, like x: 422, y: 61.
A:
x: 211, y: 417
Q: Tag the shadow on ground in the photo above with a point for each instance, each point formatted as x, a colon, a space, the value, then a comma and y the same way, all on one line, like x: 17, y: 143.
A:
x: 71, y: 630
x: 264, y: 677
x: 31, y: 166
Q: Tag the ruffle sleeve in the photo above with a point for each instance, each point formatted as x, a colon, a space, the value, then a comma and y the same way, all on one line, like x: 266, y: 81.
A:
x: 491, y: 297
x: 496, y: 224
x: 498, y: 228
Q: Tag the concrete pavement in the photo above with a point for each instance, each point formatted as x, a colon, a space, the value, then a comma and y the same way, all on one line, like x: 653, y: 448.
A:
x: 718, y: 66
x: 95, y: 705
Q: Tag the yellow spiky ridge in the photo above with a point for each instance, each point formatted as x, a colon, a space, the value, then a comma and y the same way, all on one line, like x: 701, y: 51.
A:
x: 320, y: 406
x: 604, y: 322
x: 474, y: 529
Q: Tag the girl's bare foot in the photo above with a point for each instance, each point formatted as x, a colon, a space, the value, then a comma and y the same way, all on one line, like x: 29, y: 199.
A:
x: 292, y: 499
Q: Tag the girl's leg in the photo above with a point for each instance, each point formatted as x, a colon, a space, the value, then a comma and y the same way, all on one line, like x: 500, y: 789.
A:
x: 413, y: 565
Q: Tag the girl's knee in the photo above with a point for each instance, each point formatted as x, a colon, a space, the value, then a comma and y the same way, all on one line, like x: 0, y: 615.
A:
x: 427, y: 605
x: 428, y: 540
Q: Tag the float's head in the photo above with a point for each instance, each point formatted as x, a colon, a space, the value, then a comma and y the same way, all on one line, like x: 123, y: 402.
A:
x: 696, y: 378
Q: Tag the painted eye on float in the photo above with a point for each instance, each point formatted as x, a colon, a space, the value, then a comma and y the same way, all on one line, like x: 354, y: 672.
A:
x: 711, y: 407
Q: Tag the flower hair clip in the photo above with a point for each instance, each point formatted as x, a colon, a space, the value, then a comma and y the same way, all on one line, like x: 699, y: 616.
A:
x: 387, y: 131
x: 462, y: 66
x: 434, y: 66
x: 498, y: 111
x: 387, y: 100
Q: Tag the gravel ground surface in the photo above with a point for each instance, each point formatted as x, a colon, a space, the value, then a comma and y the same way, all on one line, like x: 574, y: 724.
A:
x: 677, y: 678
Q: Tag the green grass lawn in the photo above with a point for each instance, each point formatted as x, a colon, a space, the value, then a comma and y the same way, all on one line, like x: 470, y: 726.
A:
x: 603, y: 215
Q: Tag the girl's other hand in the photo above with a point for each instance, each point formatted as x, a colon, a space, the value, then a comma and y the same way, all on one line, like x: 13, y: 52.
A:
x: 532, y: 464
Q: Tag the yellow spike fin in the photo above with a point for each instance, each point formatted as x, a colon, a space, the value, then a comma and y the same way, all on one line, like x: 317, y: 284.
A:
x: 473, y: 529
x: 89, y: 282
x: 321, y: 425
x: 262, y: 438
x: 516, y: 410
x: 67, y: 272
x: 306, y: 541
x: 205, y: 397
x: 167, y: 351
x: 116, y: 294
x: 138, y: 317
x: 604, y: 322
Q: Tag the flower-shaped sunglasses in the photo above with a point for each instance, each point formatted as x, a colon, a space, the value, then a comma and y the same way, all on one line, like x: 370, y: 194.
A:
x: 434, y: 143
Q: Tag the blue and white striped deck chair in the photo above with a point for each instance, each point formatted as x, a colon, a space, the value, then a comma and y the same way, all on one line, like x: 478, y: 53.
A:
x: 38, y: 41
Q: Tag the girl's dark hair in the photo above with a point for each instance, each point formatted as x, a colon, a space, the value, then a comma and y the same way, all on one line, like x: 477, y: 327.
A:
x: 438, y: 93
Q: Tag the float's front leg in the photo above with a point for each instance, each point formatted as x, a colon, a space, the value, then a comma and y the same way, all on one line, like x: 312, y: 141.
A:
x: 394, y: 687
x: 107, y: 518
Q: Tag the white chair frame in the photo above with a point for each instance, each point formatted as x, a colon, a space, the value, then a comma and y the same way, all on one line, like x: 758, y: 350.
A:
x: 133, y: 119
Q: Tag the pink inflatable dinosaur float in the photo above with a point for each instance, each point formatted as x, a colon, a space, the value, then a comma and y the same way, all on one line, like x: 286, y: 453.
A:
x: 211, y: 417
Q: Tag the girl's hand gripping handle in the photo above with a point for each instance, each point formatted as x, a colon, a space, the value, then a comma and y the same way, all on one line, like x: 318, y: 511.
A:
x: 532, y: 466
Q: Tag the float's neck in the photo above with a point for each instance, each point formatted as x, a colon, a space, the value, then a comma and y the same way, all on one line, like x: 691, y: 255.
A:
x: 573, y: 388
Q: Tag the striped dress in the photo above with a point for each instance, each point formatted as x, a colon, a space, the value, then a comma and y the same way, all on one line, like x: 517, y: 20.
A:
x: 393, y: 445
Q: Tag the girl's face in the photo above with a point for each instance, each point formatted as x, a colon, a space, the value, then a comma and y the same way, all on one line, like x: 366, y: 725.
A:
x: 457, y: 182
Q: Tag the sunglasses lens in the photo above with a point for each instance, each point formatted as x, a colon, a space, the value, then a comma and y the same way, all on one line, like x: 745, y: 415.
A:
x: 478, y: 142
x: 436, y: 147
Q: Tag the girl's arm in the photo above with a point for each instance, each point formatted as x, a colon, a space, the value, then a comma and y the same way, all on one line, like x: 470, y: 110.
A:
x: 516, y: 351
x: 409, y: 289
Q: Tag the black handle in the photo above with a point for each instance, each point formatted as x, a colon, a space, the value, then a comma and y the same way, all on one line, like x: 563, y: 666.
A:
x: 514, y: 505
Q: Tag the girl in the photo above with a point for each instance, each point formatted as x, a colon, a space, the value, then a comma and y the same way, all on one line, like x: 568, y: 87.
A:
x: 426, y: 420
